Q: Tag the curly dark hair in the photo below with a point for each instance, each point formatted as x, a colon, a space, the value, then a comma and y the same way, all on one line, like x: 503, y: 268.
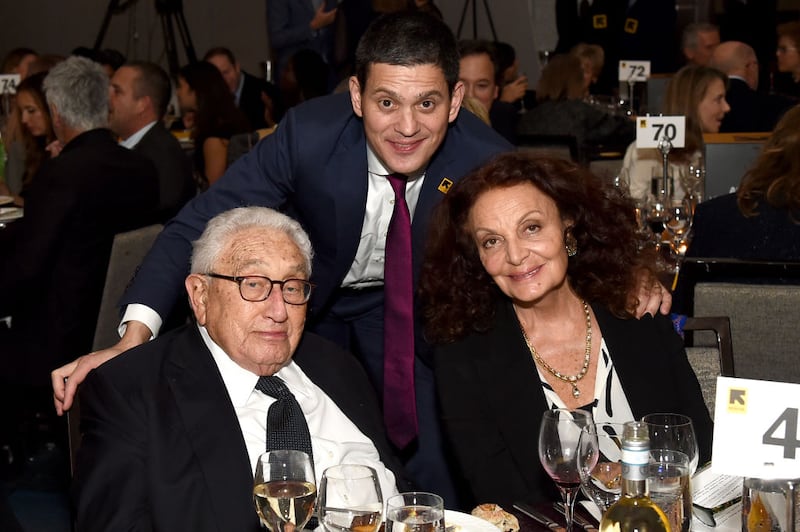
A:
x: 457, y: 294
x: 775, y: 177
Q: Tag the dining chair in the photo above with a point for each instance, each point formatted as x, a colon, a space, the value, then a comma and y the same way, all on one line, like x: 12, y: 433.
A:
x: 559, y: 146
x: 127, y: 252
x: 712, y: 361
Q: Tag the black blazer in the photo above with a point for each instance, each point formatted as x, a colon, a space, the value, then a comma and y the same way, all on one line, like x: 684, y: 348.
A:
x: 751, y: 110
x: 492, y: 401
x: 162, y: 448
x: 174, y: 168
x: 54, y: 260
x: 250, y: 102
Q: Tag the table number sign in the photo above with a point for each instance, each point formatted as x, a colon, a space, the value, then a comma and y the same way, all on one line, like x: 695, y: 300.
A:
x: 756, y: 429
x: 650, y: 130
x: 634, y: 70
x: 8, y: 83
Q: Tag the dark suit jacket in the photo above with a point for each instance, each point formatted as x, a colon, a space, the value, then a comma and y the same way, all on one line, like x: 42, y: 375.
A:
x: 751, y: 110
x: 54, y: 260
x: 289, y: 31
x: 720, y: 230
x: 492, y: 401
x: 314, y: 167
x: 174, y: 168
x: 162, y: 448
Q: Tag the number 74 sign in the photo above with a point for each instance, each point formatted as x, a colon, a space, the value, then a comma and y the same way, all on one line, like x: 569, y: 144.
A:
x: 756, y: 428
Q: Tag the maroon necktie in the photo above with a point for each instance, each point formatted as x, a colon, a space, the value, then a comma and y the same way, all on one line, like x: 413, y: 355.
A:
x: 399, y: 398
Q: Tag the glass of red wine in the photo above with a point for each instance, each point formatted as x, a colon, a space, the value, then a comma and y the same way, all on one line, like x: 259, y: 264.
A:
x: 560, y: 445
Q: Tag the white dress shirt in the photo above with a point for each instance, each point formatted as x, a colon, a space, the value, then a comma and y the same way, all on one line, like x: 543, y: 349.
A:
x: 334, y: 438
x: 367, y: 267
x: 134, y: 139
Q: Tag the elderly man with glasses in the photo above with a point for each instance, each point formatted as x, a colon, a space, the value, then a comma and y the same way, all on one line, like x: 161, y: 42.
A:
x: 173, y: 429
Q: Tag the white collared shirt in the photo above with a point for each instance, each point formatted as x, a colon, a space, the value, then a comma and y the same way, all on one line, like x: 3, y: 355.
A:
x: 334, y: 438
x: 134, y: 139
x: 367, y: 267
x: 237, y: 94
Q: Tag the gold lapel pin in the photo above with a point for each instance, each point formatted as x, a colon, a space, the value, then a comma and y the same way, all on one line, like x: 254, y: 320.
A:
x: 444, y: 186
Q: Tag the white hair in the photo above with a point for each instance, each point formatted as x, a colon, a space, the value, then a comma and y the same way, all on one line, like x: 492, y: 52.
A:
x: 223, y: 227
x: 78, y: 89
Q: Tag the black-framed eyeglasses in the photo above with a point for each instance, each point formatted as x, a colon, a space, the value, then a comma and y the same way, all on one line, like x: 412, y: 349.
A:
x: 258, y: 288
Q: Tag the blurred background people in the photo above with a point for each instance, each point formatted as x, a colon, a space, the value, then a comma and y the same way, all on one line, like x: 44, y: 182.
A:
x: 561, y: 110
x: 296, y: 24
x: 258, y: 100
x: 479, y: 72
x: 202, y: 90
x: 19, y: 61
x: 513, y: 85
x: 592, y: 60
x: 787, y: 81
x: 527, y: 286
x: 140, y: 93
x: 750, y: 109
x: 698, y: 43
x: 761, y: 220
x: 306, y: 76
x: 698, y: 93
x: 53, y: 270
x: 28, y: 151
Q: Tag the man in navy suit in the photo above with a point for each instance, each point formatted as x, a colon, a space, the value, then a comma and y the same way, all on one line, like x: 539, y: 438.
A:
x: 326, y: 165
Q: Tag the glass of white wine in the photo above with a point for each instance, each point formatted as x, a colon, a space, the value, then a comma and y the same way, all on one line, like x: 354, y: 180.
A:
x: 415, y: 511
x: 284, y: 490
x: 350, y: 499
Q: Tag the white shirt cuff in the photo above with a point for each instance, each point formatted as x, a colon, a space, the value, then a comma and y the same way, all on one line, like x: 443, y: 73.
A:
x: 142, y: 314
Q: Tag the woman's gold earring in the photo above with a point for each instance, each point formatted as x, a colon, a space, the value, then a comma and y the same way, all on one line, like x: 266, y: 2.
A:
x: 571, y: 244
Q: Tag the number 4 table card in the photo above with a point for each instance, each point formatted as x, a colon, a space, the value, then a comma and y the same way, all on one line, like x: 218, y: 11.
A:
x: 756, y: 429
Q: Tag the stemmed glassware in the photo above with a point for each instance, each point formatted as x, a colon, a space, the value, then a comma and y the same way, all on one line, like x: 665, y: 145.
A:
x: 284, y: 490
x: 601, y: 475
x: 678, y: 224
x: 415, y: 511
x: 350, y: 499
x: 559, y: 447
x: 674, y: 432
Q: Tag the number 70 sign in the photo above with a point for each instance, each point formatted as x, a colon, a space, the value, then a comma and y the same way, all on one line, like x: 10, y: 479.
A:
x: 756, y: 428
x: 650, y: 130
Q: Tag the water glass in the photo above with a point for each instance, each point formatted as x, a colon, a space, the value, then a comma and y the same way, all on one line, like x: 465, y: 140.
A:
x: 669, y: 486
x: 415, y: 511
x: 601, y: 478
x: 770, y: 504
x: 674, y: 432
x: 350, y: 499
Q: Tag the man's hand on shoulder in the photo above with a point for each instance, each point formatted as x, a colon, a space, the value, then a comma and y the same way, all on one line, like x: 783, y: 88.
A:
x: 652, y: 296
x: 66, y: 379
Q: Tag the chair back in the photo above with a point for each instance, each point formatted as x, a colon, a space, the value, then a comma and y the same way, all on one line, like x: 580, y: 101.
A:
x: 242, y: 143
x: 710, y: 362
x: 127, y: 253
x: 764, y: 326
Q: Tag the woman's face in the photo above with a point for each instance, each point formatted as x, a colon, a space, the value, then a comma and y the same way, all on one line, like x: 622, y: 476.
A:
x: 788, y: 55
x: 588, y: 74
x: 519, y: 234
x: 31, y: 114
x: 186, y: 96
x: 713, y: 107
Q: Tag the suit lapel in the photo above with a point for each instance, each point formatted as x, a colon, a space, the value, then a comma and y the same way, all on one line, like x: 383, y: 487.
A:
x: 202, y: 402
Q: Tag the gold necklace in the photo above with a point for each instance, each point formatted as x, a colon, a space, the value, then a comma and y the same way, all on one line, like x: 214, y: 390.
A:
x: 569, y: 379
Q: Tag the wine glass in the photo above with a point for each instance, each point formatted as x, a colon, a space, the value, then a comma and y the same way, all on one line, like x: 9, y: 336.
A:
x: 284, y: 490
x: 559, y: 447
x: 415, y: 511
x: 601, y: 475
x: 678, y: 224
x: 674, y: 432
x: 350, y: 499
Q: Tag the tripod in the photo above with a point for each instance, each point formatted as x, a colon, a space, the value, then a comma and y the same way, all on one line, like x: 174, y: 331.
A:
x: 169, y: 11
x: 475, y: 18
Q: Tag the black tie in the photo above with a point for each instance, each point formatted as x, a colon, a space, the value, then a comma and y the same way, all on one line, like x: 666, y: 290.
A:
x: 584, y: 9
x: 286, y: 424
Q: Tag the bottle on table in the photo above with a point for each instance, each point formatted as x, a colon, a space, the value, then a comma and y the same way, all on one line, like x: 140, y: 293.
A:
x: 635, y: 511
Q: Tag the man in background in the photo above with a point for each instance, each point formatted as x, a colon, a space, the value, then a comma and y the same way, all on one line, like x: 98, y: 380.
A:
x: 750, y: 110
x: 138, y: 99
x: 257, y: 99
x: 699, y: 42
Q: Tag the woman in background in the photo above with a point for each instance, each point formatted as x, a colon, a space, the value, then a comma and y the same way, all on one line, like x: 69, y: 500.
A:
x: 36, y: 135
x: 698, y: 93
x: 202, y: 90
x: 787, y: 82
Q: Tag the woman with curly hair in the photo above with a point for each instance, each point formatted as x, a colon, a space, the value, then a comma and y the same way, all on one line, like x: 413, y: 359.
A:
x: 761, y: 220
x: 526, y: 289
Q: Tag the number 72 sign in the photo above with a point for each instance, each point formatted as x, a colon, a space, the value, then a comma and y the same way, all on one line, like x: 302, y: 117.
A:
x: 8, y: 83
x: 756, y: 428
